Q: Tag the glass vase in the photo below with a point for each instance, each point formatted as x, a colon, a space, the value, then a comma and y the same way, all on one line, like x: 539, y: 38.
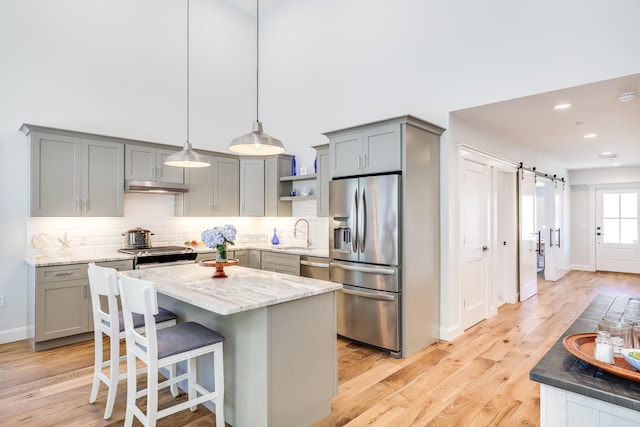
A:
x: 221, y: 253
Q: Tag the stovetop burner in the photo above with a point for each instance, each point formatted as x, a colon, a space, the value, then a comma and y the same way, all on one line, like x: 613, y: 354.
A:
x: 159, y: 250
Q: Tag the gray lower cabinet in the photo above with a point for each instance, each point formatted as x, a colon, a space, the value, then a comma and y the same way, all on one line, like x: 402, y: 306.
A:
x: 369, y: 149
x: 213, y: 191
x: 281, y: 263
x: 146, y: 163
x: 60, y: 303
x: 255, y: 259
x: 74, y: 175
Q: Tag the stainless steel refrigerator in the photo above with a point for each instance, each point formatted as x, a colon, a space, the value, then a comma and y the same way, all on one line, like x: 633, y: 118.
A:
x: 364, y: 247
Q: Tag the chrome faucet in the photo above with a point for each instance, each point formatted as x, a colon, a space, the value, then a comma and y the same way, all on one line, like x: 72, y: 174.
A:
x: 295, y: 230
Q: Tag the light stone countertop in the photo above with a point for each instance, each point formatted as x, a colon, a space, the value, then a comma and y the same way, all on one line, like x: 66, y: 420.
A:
x: 46, y: 260
x: 244, y: 288
x: 61, y: 258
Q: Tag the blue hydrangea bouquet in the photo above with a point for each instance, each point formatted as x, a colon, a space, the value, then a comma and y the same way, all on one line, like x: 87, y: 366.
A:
x: 218, y: 238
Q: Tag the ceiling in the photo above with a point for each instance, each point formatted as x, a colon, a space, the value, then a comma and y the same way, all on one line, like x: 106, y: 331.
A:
x: 559, y: 134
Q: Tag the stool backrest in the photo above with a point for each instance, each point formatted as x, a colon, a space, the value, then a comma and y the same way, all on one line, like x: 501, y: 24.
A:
x: 139, y: 296
x: 103, y: 282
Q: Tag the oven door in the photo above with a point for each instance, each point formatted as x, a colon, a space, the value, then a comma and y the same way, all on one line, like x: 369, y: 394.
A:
x: 370, y: 316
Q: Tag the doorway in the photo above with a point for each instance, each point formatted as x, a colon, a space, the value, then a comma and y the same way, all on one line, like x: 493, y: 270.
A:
x: 617, y: 213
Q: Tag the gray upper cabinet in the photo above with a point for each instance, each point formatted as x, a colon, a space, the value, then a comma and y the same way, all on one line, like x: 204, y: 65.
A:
x: 215, y: 190
x: 146, y: 163
x: 367, y: 150
x: 252, y: 187
x: 323, y: 177
x: 75, y: 176
x: 275, y: 168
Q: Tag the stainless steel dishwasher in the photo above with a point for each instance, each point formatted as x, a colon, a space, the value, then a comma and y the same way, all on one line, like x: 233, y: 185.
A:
x: 314, y: 267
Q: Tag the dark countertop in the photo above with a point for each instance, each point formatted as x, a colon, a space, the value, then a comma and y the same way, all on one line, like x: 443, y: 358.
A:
x: 560, y: 369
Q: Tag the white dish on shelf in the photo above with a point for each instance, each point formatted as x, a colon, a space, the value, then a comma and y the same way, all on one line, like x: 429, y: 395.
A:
x: 305, y: 191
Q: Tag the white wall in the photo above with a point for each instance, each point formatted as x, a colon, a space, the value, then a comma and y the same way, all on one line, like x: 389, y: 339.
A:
x: 118, y: 67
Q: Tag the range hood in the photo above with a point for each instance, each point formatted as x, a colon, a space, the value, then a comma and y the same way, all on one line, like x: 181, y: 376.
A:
x: 154, y: 187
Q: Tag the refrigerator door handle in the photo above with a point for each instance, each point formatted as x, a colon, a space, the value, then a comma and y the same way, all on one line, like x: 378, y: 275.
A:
x: 384, y: 297
x: 389, y: 271
x: 354, y: 215
x: 363, y: 237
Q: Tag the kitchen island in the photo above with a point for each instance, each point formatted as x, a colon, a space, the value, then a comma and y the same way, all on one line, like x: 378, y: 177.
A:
x: 575, y: 393
x: 280, y: 359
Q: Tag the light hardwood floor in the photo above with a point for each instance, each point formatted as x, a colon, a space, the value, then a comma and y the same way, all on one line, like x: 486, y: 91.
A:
x: 479, y: 379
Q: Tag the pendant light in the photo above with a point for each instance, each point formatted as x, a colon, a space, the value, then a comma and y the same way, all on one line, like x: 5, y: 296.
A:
x: 187, y: 158
x: 256, y: 142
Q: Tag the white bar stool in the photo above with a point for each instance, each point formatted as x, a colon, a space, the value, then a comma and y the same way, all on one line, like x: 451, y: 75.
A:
x: 103, y: 282
x: 185, y: 341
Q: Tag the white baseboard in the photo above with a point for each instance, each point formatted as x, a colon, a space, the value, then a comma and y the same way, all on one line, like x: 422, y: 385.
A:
x: 11, y: 335
x: 448, y: 334
x: 581, y: 267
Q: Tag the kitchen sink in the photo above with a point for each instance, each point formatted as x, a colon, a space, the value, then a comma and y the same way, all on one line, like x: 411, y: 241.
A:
x: 298, y: 248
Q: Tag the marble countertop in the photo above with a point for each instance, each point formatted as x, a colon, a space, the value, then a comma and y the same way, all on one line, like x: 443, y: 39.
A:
x: 244, y: 288
x: 61, y: 258
x: 559, y: 368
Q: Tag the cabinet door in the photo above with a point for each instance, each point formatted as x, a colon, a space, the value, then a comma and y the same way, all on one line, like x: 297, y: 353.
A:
x: 62, y: 309
x: 140, y: 163
x: 252, y: 185
x: 274, y: 169
x: 322, y: 184
x: 243, y: 257
x: 102, y: 178
x: 255, y: 258
x: 346, y: 154
x: 168, y: 173
x: 198, y: 200
x: 382, y: 149
x: 56, y: 164
x: 226, y: 186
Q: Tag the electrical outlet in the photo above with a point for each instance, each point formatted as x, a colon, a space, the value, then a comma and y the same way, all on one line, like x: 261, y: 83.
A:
x: 1, y: 301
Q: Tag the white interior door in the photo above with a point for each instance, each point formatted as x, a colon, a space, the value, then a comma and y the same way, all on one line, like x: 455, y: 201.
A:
x: 554, y: 268
x: 617, y: 247
x: 474, y: 204
x: 528, y: 235
x: 506, y: 241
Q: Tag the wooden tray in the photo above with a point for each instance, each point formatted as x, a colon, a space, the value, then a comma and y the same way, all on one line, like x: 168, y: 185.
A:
x: 219, y: 274
x: 581, y: 346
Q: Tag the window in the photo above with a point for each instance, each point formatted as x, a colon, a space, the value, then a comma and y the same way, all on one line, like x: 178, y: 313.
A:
x: 620, y: 218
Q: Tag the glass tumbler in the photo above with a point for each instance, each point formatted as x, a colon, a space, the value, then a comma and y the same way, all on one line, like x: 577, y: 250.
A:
x: 621, y: 336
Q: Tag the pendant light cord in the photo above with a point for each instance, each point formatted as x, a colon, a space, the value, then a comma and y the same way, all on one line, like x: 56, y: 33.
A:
x: 188, y: 71
x: 257, y: 58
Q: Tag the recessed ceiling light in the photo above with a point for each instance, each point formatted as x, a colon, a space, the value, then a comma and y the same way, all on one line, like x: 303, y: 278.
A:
x: 608, y: 155
x: 562, y: 106
x: 626, y: 96
x: 590, y: 135
x: 615, y: 164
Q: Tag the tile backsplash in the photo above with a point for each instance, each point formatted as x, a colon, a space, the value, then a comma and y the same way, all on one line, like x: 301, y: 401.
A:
x: 155, y: 212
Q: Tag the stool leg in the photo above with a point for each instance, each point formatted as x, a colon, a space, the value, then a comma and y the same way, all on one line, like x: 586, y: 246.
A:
x: 97, y: 365
x: 152, y: 395
x: 172, y: 375
x: 192, y: 380
x: 218, y: 371
x: 131, y: 388
x: 114, y: 375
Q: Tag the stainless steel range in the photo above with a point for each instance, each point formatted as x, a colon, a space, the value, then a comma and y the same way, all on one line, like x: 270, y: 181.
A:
x: 161, y: 256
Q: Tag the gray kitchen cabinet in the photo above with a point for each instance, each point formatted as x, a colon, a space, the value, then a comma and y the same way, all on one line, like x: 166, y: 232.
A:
x: 242, y: 256
x: 213, y: 191
x: 368, y: 149
x: 281, y: 262
x: 146, y: 163
x: 252, y: 187
x: 274, y: 169
x: 74, y: 175
x: 59, y: 304
x: 323, y: 178
x: 255, y: 258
